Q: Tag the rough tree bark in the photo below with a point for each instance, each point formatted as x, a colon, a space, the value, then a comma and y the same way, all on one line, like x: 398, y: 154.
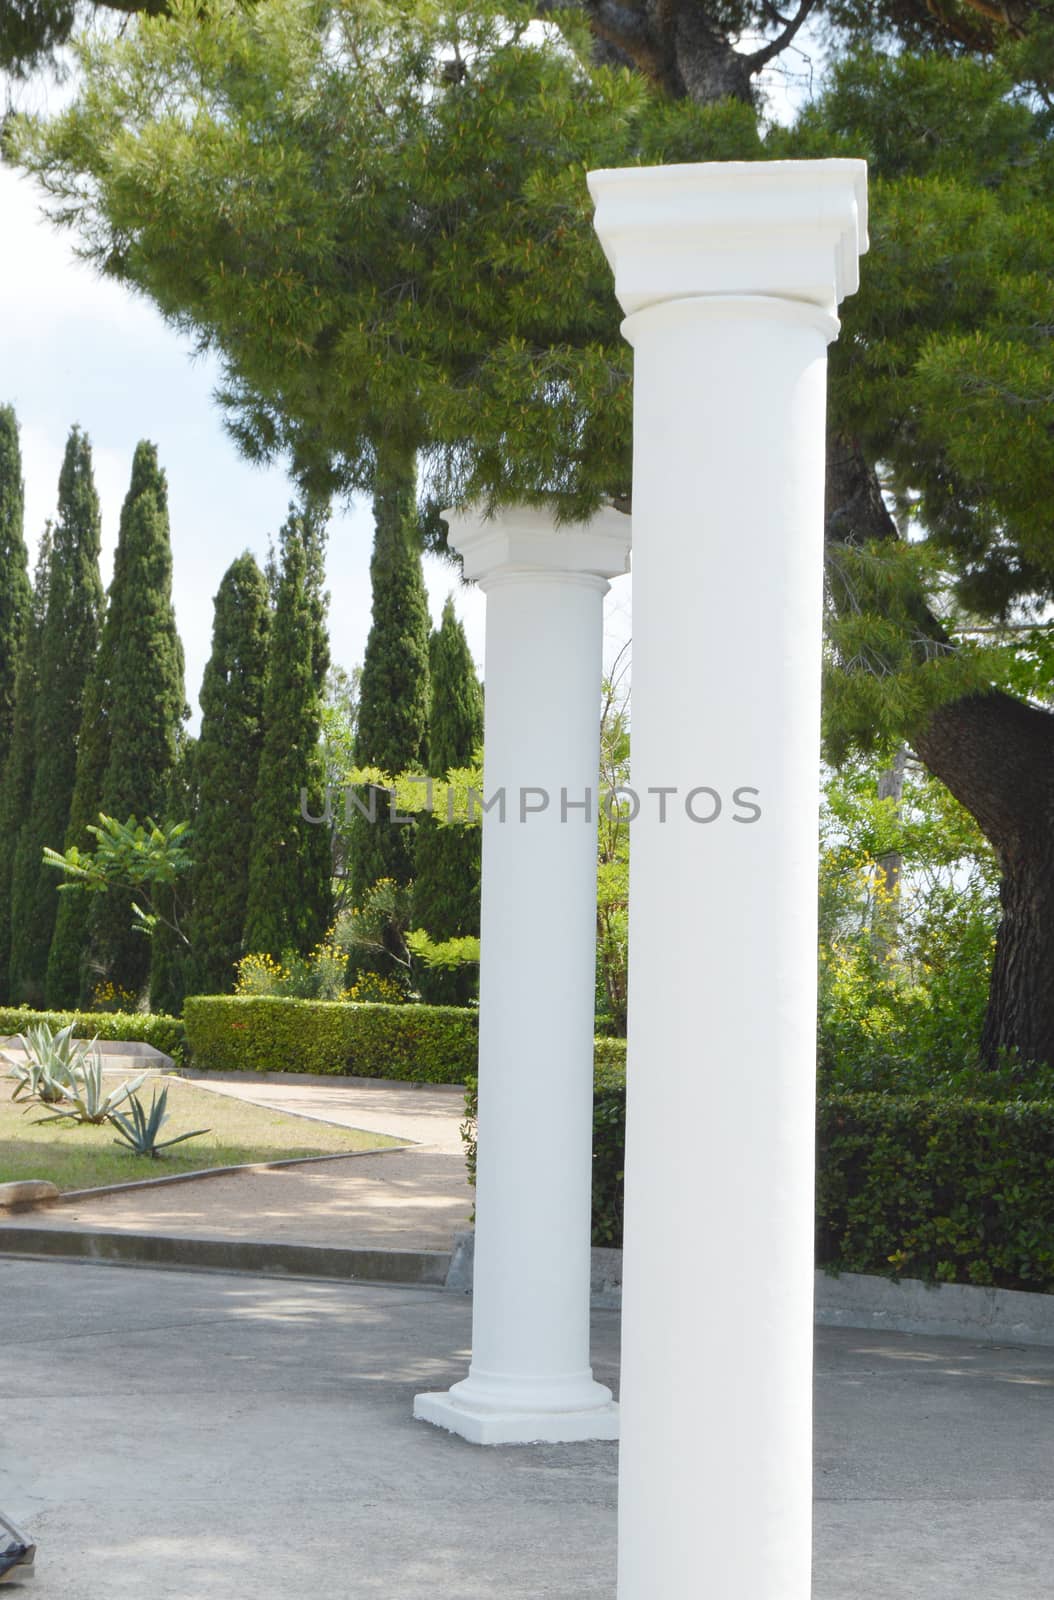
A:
x: 996, y: 755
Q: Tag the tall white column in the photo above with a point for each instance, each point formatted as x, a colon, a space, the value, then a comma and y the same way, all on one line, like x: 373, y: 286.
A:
x: 730, y: 275
x: 530, y: 1377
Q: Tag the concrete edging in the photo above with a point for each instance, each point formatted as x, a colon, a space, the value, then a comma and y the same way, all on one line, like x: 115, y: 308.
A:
x: 73, y: 1195
x: 853, y: 1300
x: 426, y: 1268
x: 943, y: 1310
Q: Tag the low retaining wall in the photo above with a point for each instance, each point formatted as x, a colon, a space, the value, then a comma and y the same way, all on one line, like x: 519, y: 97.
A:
x: 948, y: 1310
x: 951, y: 1310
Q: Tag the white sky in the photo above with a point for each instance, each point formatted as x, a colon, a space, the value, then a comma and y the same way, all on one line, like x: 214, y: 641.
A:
x: 78, y: 348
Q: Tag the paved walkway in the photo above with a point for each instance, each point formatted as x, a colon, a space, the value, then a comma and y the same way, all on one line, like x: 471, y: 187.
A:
x: 414, y: 1199
x: 179, y: 1435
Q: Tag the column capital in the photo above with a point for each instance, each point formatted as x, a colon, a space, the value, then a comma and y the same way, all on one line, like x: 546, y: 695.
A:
x: 527, y: 539
x: 788, y: 229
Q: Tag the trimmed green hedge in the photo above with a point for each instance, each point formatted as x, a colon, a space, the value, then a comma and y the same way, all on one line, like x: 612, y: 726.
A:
x: 164, y: 1033
x: 947, y: 1190
x: 269, y: 1033
x: 944, y: 1189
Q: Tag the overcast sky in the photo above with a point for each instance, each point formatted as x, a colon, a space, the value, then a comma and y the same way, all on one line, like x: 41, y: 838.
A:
x: 78, y: 348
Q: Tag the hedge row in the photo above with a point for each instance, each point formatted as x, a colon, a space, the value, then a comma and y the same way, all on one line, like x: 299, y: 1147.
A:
x: 164, y: 1033
x: 268, y: 1033
x: 946, y: 1190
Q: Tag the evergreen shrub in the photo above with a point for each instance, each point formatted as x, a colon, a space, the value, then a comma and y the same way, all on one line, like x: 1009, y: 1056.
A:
x: 946, y: 1189
x: 163, y: 1033
x: 270, y: 1033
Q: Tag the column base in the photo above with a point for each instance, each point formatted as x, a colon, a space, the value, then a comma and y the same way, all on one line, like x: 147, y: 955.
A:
x: 490, y: 1425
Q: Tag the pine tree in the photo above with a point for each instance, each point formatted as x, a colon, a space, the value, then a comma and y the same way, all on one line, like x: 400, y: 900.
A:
x: 227, y: 763
x: 447, y: 876
x: 69, y: 640
x: 15, y: 596
x: 393, y: 693
x: 290, y: 859
x: 17, y: 789
x: 144, y: 701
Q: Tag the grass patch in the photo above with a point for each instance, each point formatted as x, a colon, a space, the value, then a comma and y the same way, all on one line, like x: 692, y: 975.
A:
x: 76, y: 1157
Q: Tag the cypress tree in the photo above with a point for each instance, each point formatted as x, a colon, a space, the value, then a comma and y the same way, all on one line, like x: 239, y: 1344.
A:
x: 15, y: 596
x: 228, y: 762
x: 447, y: 878
x: 170, y: 956
x: 17, y: 790
x: 69, y: 640
x: 144, y: 701
x: 393, y: 693
x: 67, y: 980
x: 290, y: 859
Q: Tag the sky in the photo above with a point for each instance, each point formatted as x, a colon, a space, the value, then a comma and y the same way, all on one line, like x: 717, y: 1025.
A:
x: 77, y: 348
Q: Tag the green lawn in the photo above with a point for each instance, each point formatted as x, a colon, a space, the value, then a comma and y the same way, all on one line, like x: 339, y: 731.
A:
x: 76, y: 1157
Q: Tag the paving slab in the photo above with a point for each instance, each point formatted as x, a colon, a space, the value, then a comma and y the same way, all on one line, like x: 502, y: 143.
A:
x: 176, y: 1435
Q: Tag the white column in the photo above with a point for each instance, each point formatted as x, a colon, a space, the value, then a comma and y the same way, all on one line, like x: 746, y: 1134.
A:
x: 730, y: 275
x: 530, y: 1377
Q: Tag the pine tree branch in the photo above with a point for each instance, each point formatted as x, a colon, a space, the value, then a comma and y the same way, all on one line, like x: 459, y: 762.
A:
x: 761, y: 58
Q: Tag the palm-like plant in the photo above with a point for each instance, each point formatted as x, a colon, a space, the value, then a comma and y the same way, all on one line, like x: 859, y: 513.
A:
x: 51, y: 1064
x: 140, y: 1129
x: 83, y: 1099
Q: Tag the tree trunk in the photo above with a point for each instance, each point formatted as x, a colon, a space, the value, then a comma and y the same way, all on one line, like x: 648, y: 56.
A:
x: 996, y: 755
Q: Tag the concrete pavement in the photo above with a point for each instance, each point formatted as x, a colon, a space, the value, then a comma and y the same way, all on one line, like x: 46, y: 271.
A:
x: 174, y: 1435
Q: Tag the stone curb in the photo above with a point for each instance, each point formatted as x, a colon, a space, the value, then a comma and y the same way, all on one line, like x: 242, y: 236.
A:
x: 73, y: 1195
x: 426, y: 1268
x: 942, y: 1310
x: 854, y: 1300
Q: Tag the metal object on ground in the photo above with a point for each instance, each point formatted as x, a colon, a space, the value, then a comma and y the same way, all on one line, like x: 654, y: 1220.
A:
x: 17, y: 1554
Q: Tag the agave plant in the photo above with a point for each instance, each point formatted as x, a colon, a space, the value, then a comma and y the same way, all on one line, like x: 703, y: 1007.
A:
x: 84, y: 1100
x: 51, y: 1065
x: 140, y: 1129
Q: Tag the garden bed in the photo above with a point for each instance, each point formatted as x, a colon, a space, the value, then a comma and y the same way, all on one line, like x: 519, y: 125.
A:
x: 77, y: 1157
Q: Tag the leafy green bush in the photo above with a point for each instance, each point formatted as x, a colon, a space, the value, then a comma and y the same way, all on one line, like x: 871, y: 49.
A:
x: 905, y: 959
x: 163, y: 1033
x: 269, y: 1033
x: 939, y: 1188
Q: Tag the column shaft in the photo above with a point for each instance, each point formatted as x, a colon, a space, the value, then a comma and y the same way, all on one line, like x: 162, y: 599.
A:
x: 730, y: 273
x: 717, y: 1275
x: 530, y: 1377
